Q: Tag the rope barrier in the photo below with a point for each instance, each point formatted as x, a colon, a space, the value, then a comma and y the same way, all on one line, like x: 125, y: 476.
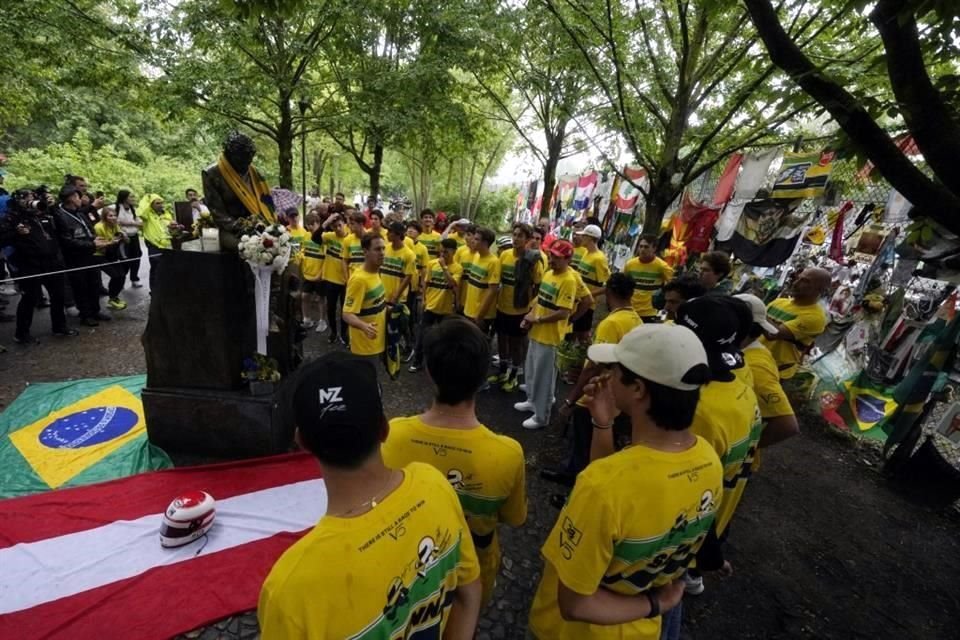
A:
x: 74, y: 269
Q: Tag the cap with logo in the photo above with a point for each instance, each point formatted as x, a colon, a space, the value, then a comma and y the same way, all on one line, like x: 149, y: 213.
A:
x: 504, y: 242
x: 591, y: 230
x: 667, y: 354
x: 561, y: 249
x: 337, y: 390
x: 758, y: 310
x: 716, y: 323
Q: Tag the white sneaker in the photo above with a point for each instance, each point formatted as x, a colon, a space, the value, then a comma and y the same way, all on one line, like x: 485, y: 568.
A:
x: 523, y: 387
x: 526, y: 405
x: 692, y: 585
x: 321, y: 326
x: 532, y: 423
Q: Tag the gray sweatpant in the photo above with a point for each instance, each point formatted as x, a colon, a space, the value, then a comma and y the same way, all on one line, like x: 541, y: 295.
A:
x: 540, y: 376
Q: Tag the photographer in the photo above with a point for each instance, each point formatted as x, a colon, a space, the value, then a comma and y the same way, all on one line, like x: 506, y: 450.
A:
x: 29, y: 228
x: 111, y: 244
x: 77, y: 244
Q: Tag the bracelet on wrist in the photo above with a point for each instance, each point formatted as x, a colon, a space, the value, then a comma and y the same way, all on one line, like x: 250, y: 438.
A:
x: 654, y: 605
x: 597, y: 425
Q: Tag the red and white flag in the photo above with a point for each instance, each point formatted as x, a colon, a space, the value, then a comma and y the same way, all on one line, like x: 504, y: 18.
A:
x: 87, y: 562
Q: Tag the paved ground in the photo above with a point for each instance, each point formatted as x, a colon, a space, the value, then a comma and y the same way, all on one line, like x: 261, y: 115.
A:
x: 822, y: 547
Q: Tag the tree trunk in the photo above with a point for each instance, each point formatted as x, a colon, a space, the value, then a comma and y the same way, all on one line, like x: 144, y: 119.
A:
x: 320, y: 159
x: 554, y: 149
x: 375, y: 169
x: 660, y: 195
x: 928, y: 197
x: 285, y: 145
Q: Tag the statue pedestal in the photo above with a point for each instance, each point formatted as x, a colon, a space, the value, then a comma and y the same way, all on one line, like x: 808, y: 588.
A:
x: 202, y: 324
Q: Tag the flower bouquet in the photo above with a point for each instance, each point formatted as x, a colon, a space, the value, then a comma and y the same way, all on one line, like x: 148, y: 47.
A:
x: 261, y: 373
x: 267, y: 250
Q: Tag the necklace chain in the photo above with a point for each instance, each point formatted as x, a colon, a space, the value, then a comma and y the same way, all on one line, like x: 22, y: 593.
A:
x: 372, y: 502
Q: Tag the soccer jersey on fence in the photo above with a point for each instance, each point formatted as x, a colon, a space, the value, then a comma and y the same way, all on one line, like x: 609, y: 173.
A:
x: 556, y: 292
x: 508, y: 263
x: 397, y: 265
x: 727, y: 417
x: 481, y: 273
x: 333, y: 262
x: 485, y: 469
x: 440, y: 296
x: 634, y: 522
x: 365, y: 298
x: 388, y: 573
x: 648, y: 278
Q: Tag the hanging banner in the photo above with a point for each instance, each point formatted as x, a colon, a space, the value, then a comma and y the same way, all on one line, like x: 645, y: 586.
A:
x: 692, y: 228
x: 898, y: 208
x: 802, y: 175
x: 836, y: 239
x: 584, y: 195
x: 603, y: 194
x: 724, y: 190
x: 767, y: 233
x: 753, y: 175
x: 628, y: 195
x: 566, y: 187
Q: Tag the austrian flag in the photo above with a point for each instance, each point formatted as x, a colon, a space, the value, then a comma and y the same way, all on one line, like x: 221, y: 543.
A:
x: 87, y: 562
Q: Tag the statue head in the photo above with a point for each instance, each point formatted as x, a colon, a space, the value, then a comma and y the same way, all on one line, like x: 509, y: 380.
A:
x: 239, y: 150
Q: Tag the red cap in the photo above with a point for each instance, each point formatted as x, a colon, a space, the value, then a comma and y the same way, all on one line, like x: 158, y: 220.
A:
x: 561, y: 249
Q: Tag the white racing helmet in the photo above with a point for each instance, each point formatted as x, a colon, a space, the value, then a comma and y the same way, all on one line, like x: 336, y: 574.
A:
x: 188, y: 517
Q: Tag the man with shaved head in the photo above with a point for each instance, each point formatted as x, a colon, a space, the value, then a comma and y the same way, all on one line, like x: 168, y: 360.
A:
x: 798, y: 319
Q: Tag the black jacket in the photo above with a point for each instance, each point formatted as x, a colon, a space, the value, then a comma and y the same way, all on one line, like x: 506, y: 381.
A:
x: 76, y: 237
x: 34, y: 252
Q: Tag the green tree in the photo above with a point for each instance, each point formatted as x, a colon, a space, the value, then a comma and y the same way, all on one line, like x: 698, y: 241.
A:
x: 683, y: 82
x: 921, y: 44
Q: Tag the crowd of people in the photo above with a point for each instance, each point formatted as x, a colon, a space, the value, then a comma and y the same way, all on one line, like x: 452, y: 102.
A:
x: 681, y: 390
x: 59, y: 244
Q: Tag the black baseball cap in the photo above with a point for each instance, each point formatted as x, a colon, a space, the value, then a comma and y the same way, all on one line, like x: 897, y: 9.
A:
x: 338, y: 391
x: 717, y: 324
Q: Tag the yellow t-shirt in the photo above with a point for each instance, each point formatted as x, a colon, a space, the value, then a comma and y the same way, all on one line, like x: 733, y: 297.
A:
x: 311, y: 265
x: 485, y: 469
x: 353, y: 252
x: 297, y: 235
x: 771, y: 398
x: 611, y: 330
x: 440, y: 296
x: 634, y: 522
x: 727, y: 417
x: 594, y: 270
x: 334, y: 249
x: 508, y: 261
x: 455, y: 235
x: 805, y: 322
x: 423, y: 257
x: 556, y: 292
x: 382, y: 574
x: 102, y: 231
x: 431, y: 241
x: 578, y: 253
x: 481, y: 273
x: 365, y: 298
x: 463, y: 255
x: 397, y: 264
x: 648, y: 278
x: 582, y: 290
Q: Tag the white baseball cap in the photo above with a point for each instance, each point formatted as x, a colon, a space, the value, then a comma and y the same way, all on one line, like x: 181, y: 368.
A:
x: 591, y: 230
x: 667, y: 354
x: 759, y: 311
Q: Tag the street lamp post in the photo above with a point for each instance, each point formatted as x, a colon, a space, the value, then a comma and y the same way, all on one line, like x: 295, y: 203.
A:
x: 303, y: 105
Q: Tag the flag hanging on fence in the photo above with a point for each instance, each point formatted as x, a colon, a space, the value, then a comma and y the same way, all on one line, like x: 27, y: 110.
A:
x: 74, y: 433
x: 87, y: 562
x: 584, y: 195
x: 767, y: 232
x: 724, y: 189
x: 802, y: 175
x: 628, y: 195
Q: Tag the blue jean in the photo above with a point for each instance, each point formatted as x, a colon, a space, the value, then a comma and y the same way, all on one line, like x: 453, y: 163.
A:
x: 670, y: 623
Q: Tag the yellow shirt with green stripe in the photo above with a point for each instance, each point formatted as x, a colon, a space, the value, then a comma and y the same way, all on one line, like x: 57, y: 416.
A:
x: 431, y: 241
x: 611, y: 330
x: 485, y: 469
x: 648, y: 278
x: 594, y: 270
x: 481, y: 273
x: 440, y: 296
x: 805, y: 322
x: 333, y: 250
x: 353, y: 251
x: 578, y: 253
x: 634, y: 522
x: 365, y: 298
x: 728, y: 418
x: 311, y: 264
x: 388, y: 573
x: 397, y: 264
x: 423, y: 257
x: 508, y: 263
x: 556, y: 292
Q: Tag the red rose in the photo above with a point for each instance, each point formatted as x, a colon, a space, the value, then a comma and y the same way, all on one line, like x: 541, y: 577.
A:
x: 267, y: 243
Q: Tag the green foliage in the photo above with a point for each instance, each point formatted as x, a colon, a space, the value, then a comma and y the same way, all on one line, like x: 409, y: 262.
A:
x: 493, y: 209
x: 105, y: 168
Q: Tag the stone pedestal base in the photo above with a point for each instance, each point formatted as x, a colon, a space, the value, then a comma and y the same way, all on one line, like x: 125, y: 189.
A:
x: 203, y: 424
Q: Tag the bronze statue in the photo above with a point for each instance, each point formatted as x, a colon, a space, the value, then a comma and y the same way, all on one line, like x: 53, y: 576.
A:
x: 235, y: 192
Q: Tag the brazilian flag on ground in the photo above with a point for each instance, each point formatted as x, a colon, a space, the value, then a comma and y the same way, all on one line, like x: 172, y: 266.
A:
x: 65, y: 434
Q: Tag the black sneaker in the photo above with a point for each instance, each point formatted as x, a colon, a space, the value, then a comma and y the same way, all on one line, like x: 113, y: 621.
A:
x: 27, y: 339
x: 66, y: 333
